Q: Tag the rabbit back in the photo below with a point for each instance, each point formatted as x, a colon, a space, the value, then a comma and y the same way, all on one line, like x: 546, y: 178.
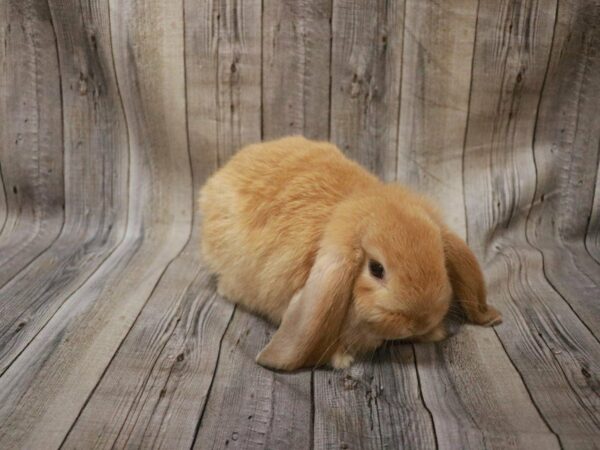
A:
x: 264, y: 213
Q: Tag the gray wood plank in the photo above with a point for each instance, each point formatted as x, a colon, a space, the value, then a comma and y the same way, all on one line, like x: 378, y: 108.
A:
x: 459, y: 378
x: 250, y: 406
x: 366, y: 62
x: 566, y: 153
x: 476, y: 397
x: 155, y: 389
x: 44, y: 390
x: 96, y: 163
x: 247, y: 405
x: 238, y: 90
x: 296, y: 68
x: 545, y: 340
x: 434, y: 99
x: 374, y: 404
x: 31, y: 147
x: 555, y: 355
x: 169, y: 356
x: 110, y: 331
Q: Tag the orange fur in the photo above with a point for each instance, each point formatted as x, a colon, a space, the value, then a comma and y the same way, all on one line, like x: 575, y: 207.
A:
x: 295, y: 219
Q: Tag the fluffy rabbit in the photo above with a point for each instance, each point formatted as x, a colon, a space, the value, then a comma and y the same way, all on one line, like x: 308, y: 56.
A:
x: 304, y: 236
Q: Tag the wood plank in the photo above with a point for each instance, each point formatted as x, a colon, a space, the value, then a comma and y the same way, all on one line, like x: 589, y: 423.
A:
x: 31, y: 147
x: 555, y: 355
x: 350, y: 410
x: 238, y: 87
x: 250, y: 406
x: 366, y: 62
x: 46, y: 387
x: 476, y: 396
x: 96, y: 154
x: 296, y: 68
x: 566, y: 155
x: 542, y: 336
x: 170, y: 379
x: 247, y: 404
x: 96, y: 164
x: 373, y: 404
x: 155, y: 389
x: 434, y: 99
x: 201, y: 68
x: 459, y: 377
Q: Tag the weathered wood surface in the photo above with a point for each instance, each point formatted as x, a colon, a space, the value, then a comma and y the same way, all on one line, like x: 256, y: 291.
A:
x: 114, y: 112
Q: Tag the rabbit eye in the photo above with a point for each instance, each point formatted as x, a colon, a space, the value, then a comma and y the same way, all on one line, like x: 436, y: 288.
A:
x: 376, y: 269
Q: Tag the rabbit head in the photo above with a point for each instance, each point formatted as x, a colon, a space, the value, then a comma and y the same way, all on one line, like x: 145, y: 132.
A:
x: 386, y: 269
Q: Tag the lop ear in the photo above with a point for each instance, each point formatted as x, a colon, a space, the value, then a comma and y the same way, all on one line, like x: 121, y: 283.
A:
x: 312, y: 323
x: 467, y: 281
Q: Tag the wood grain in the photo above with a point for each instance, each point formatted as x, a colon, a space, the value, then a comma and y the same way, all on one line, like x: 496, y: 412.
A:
x: 541, y: 333
x: 366, y: 58
x: 42, y: 395
x: 31, y: 136
x: 95, y: 158
x: 296, y: 50
x: 566, y: 154
x: 250, y: 406
x: 113, y: 113
x: 156, y: 386
x: 434, y: 100
x: 363, y: 406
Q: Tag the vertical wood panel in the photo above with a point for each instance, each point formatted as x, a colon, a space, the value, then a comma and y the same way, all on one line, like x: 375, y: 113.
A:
x: 365, y: 405
x: 434, y: 100
x: 350, y: 409
x: 31, y: 147
x: 296, y: 68
x: 170, y: 354
x: 566, y: 150
x: 238, y: 75
x: 246, y: 405
x: 111, y: 333
x: 366, y: 63
x: 45, y: 389
x: 250, y: 406
x: 459, y: 378
x: 95, y: 169
x: 541, y: 335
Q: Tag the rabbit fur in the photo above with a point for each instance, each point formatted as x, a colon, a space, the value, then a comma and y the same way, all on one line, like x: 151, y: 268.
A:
x: 300, y: 234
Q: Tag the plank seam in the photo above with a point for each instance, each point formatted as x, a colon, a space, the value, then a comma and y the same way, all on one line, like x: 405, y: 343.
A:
x: 62, y: 137
x: 589, y: 224
x: 529, y: 394
x: 5, y: 197
x: 399, y: 115
x: 262, y: 70
x: 536, y: 188
x: 208, y: 392
x: 148, y: 375
x: 592, y: 413
x: 329, y: 125
x: 435, y: 436
x: 468, y: 117
x: 312, y: 409
x: 467, y: 222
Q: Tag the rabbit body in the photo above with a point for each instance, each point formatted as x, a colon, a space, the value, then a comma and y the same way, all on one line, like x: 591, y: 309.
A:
x: 309, y: 239
x: 264, y: 214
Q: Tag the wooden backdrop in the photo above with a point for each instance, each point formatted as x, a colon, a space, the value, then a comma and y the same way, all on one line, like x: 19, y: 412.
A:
x: 114, y: 112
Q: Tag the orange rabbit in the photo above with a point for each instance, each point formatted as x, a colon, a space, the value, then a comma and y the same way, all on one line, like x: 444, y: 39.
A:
x: 304, y: 236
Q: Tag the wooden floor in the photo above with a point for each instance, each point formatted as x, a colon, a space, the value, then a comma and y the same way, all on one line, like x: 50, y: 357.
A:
x: 114, y: 112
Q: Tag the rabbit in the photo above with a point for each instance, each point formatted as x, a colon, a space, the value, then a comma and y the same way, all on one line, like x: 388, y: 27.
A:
x: 307, y: 238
